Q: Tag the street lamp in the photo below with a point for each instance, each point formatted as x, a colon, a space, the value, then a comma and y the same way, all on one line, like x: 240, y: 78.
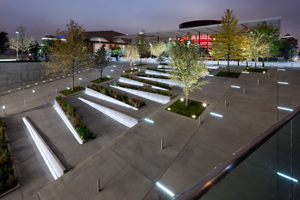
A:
x: 17, y: 32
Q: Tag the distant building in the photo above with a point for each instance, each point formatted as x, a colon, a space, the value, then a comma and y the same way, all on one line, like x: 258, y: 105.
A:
x: 291, y: 40
x: 107, y: 38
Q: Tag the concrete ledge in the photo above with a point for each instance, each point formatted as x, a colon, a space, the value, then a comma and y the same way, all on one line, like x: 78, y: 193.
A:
x: 133, y: 82
x: 147, y: 71
x: 147, y: 95
x: 98, y: 95
x: 54, y: 165
x: 160, y: 80
x: 163, y: 66
x: 64, y: 117
x: 120, y: 117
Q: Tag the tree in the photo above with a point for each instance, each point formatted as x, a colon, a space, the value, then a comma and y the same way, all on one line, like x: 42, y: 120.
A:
x: 157, y: 49
x: 68, y: 56
x: 21, y: 40
x: 131, y: 54
x: 101, y: 60
x: 3, y: 42
x: 217, y: 52
x: 287, y: 50
x: 142, y: 45
x: 228, y: 36
x: 187, y: 66
x: 264, y: 38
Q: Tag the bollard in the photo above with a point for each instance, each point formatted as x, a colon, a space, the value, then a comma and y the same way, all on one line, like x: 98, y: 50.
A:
x: 98, y: 185
x: 268, y: 75
x: 257, y: 82
x: 200, y: 119
x: 244, y: 90
x: 225, y: 103
x: 24, y: 102
x: 161, y: 144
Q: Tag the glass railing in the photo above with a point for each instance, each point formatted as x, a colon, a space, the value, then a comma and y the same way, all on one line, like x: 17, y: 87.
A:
x: 268, y: 168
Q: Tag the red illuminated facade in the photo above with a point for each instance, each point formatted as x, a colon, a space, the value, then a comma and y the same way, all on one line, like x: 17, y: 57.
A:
x: 205, y: 41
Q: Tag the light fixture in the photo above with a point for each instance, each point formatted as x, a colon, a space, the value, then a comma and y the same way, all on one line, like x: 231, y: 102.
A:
x: 216, y: 114
x: 169, y: 108
x: 165, y: 189
x: 283, y: 108
x: 194, y: 116
x: 283, y: 83
x: 33, y: 91
x: 204, y: 104
x: 264, y: 72
x: 285, y: 176
x: 235, y: 86
x: 68, y: 88
x: 148, y: 120
x: 80, y: 79
x: 181, y: 99
x: 108, y: 76
x: 3, y: 107
x: 245, y: 72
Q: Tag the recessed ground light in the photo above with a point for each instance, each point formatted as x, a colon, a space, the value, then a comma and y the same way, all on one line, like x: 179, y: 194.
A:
x: 33, y: 91
x: 216, y: 114
x: 204, y: 104
x: 181, y: 99
x: 149, y: 120
x: 264, y: 72
x: 3, y: 107
x: 165, y: 189
x: 283, y: 108
x: 285, y: 176
x: 108, y: 76
x: 123, y: 71
x: 68, y: 88
x: 169, y: 108
x: 194, y: 116
x: 235, y: 86
x: 283, y: 83
x: 244, y: 72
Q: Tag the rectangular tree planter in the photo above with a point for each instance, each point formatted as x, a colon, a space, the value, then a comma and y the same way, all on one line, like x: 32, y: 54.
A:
x: 104, y: 97
x: 147, y: 95
x: 147, y: 71
x: 118, y: 116
x: 133, y: 82
x: 160, y: 80
x: 66, y: 120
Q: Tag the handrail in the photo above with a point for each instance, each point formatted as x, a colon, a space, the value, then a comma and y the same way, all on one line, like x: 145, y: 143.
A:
x: 198, y: 189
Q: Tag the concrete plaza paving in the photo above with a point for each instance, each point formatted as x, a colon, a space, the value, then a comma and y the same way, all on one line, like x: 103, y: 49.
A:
x: 129, y: 162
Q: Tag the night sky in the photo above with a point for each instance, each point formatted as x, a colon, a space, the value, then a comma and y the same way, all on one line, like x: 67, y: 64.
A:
x: 130, y: 16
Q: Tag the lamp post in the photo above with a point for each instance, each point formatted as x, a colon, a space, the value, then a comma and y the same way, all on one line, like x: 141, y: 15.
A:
x: 99, y: 44
x: 17, y: 32
x: 150, y: 50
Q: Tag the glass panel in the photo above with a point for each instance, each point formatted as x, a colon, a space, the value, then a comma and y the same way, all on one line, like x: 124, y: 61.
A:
x: 267, y: 173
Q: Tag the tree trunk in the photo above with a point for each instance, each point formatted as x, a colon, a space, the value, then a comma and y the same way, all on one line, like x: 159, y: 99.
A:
x: 130, y: 63
x: 73, y: 77
x: 263, y: 62
x: 255, y: 63
x: 228, y: 65
x: 247, y: 63
x: 218, y: 62
x: 238, y: 63
x: 140, y: 60
x: 101, y: 70
x: 22, y: 55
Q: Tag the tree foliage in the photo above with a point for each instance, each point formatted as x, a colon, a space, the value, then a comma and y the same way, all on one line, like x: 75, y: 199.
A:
x: 287, y: 50
x: 131, y: 54
x: 142, y: 44
x: 228, y: 38
x: 187, y: 66
x: 157, y: 49
x: 21, y: 40
x: 4, y: 42
x: 100, y: 60
x: 263, y: 41
x: 68, y: 56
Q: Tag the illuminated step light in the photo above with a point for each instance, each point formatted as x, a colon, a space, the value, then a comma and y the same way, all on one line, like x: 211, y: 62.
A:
x: 285, y: 176
x: 148, y: 120
x: 281, y: 69
x: 244, y: 72
x: 216, y: 114
x: 283, y: 108
x: 284, y: 83
x: 165, y: 189
x: 108, y: 76
x: 235, y: 86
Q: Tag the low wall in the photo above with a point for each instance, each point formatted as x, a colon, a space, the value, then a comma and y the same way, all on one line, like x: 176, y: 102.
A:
x: 147, y: 95
x: 18, y: 74
x: 98, y: 95
x: 147, y: 71
x: 120, y: 117
x: 64, y: 117
x: 133, y: 82
x: 160, y: 80
x: 52, y: 162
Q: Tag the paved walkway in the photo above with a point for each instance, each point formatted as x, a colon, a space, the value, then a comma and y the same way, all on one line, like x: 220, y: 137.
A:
x: 130, y: 163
